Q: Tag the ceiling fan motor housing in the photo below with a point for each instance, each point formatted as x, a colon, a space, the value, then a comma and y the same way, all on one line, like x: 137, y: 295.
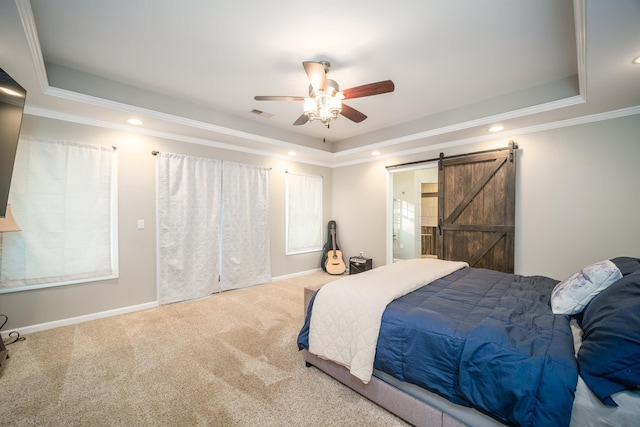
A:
x: 332, y: 90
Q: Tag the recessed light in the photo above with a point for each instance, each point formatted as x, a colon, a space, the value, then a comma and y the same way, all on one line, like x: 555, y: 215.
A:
x: 637, y: 60
x: 291, y: 153
x: 496, y: 128
x: 375, y: 153
x: 135, y: 122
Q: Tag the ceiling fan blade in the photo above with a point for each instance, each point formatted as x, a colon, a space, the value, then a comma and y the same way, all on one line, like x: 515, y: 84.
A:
x: 317, y: 75
x: 278, y: 98
x: 368, y: 90
x: 301, y: 120
x: 352, y: 114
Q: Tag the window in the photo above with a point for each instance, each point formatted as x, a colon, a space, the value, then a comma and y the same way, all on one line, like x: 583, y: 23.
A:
x: 63, y: 196
x: 303, y: 195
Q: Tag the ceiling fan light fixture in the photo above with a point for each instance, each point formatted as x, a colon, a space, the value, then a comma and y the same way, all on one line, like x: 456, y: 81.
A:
x: 334, y: 104
x: 323, y: 107
x: 324, y: 102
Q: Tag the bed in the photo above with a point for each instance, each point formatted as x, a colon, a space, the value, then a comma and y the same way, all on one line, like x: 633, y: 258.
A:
x: 439, y: 343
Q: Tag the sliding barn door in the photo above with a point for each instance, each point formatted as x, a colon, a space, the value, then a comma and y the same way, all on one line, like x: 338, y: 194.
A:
x: 476, y: 209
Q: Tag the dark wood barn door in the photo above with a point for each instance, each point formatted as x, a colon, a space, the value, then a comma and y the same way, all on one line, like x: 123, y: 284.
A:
x: 476, y: 209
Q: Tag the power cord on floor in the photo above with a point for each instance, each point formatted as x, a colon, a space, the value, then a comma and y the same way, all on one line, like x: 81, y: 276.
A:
x: 17, y: 334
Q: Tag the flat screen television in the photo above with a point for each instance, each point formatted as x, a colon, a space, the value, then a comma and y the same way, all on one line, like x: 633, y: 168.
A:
x: 12, y: 98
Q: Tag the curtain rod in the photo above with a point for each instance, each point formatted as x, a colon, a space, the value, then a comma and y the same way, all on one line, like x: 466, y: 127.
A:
x: 155, y: 153
x: 303, y: 174
x: 442, y: 156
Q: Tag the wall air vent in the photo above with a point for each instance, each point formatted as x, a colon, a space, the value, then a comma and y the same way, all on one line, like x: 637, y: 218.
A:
x: 261, y: 113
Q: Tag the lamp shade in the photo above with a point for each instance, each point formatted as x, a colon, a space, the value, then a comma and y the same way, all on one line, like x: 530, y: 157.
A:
x: 8, y: 223
x: 310, y: 106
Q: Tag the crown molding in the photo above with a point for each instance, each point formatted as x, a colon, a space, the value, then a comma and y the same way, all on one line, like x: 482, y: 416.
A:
x: 331, y: 159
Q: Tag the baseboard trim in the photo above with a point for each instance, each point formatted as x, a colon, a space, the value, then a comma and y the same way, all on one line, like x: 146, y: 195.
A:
x: 80, y: 319
x: 298, y: 274
x: 93, y: 316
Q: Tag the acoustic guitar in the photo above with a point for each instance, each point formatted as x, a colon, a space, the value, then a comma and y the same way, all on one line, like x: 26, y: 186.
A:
x: 335, y: 263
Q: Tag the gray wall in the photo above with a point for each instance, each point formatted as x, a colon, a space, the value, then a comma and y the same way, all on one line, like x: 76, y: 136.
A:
x: 577, y: 202
x: 136, y: 284
x: 577, y: 197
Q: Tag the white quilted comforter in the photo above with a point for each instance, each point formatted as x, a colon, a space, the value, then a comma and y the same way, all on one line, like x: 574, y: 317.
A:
x: 346, y: 315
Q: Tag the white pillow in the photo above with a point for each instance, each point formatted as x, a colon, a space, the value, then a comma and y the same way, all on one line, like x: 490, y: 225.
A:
x: 572, y: 295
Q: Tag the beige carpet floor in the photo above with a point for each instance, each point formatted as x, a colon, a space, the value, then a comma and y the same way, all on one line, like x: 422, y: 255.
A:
x: 227, y: 360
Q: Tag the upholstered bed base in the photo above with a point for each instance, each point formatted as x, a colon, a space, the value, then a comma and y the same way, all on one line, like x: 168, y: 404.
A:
x: 406, y: 401
x: 387, y: 396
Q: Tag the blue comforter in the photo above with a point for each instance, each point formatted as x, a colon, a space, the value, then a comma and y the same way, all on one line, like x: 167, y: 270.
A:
x: 483, y: 339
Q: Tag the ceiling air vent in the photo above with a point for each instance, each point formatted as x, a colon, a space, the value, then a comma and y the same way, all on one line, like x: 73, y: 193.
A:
x: 261, y: 113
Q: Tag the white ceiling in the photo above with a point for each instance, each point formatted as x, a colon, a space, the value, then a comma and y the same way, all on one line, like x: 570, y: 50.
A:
x: 190, y: 69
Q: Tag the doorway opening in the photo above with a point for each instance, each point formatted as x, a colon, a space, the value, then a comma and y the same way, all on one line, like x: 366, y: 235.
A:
x: 413, y: 212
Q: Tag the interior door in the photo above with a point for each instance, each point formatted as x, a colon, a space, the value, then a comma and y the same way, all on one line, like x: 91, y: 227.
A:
x: 476, y: 209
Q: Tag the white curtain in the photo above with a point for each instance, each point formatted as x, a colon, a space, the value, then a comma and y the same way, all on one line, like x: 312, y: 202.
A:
x: 245, y: 244
x: 63, y: 199
x: 188, y: 205
x: 303, y: 194
x: 213, y: 227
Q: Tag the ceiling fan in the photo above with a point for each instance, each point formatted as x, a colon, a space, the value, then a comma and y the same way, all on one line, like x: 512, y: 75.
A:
x: 324, y: 102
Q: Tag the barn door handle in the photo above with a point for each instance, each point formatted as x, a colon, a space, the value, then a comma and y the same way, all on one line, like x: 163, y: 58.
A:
x: 440, y: 226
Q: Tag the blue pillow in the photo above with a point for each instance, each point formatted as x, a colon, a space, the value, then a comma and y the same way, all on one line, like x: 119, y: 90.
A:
x: 610, y: 353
